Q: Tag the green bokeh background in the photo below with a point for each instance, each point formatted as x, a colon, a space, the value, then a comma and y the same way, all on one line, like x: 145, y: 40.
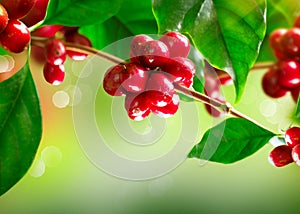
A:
x: 72, y: 184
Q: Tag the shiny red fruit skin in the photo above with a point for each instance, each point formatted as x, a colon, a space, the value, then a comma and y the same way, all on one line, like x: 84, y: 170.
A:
x: 281, y: 156
x: 153, y: 54
x: 296, y: 154
x: 160, y: 89
x: 54, y: 74
x: 270, y: 84
x: 276, y: 44
x: 16, y: 36
x: 47, y: 31
x: 292, y: 136
x: 37, y: 14
x: 113, y: 79
x: 295, y: 94
x: 177, y: 43
x: 169, y: 110
x: 136, y: 43
x: 291, y: 42
x: 78, y: 39
x: 55, y: 52
x: 289, y: 73
x: 297, y: 22
x: 136, y: 79
x: 3, y: 18
x: 181, y: 70
x: 137, y: 106
x: 17, y: 9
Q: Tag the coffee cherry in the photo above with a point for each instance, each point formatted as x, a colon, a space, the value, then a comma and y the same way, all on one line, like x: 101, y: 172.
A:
x: 276, y: 44
x: 136, y: 43
x: 54, y: 74
x: 291, y: 42
x: 270, y: 84
x: 296, y: 154
x: 136, y: 79
x: 113, y: 79
x: 47, y: 31
x: 281, y: 156
x: 153, y: 54
x: 178, y: 44
x: 295, y: 94
x: 3, y: 18
x: 160, y: 89
x: 169, y: 110
x: 292, y: 136
x: 37, y: 14
x: 55, y: 52
x: 17, y: 9
x: 181, y: 70
x: 79, y: 39
x: 289, y: 73
x: 137, y: 106
x: 297, y: 22
x: 15, y: 37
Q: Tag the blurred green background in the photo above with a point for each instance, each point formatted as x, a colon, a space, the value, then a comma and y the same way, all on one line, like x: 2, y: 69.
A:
x: 63, y: 180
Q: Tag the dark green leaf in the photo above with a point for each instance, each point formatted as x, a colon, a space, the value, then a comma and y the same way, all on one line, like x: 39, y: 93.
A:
x: 227, y: 33
x: 2, y: 51
x: 232, y: 140
x: 134, y: 17
x: 20, y: 127
x: 79, y: 13
x: 298, y: 109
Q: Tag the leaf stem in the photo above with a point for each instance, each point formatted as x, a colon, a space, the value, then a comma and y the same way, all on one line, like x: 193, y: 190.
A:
x: 225, y: 108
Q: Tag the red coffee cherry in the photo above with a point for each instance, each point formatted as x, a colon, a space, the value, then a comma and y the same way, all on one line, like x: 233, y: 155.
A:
x: 137, y: 106
x: 169, y: 110
x: 16, y: 36
x: 178, y: 44
x: 281, y: 156
x: 47, y: 31
x: 160, y: 89
x: 3, y: 18
x: 136, y: 79
x: 296, y: 154
x: 289, y: 73
x: 292, y: 136
x: 136, y: 43
x: 153, y: 54
x: 55, y: 52
x: 297, y: 22
x: 113, y: 80
x: 291, y: 42
x: 37, y: 14
x: 276, y: 44
x: 79, y: 39
x: 54, y: 74
x: 17, y: 9
x: 181, y: 70
x: 271, y: 85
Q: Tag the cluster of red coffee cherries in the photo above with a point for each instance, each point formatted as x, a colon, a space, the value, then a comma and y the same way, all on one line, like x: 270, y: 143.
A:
x: 284, y: 76
x: 14, y: 34
x: 55, y: 53
x: 289, y: 153
x: 148, y: 79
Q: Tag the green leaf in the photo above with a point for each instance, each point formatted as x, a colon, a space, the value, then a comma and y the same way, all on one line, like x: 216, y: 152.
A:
x: 3, y: 52
x: 298, y: 109
x: 227, y: 33
x: 20, y: 127
x: 280, y: 14
x: 122, y: 25
x: 232, y: 140
x: 80, y: 13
